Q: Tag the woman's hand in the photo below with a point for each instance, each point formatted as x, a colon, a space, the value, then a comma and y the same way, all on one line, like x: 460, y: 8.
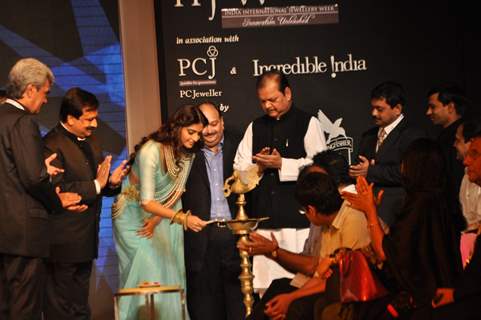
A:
x: 364, y: 200
x: 195, y: 223
x: 147, y: 230
x: 443, y: 296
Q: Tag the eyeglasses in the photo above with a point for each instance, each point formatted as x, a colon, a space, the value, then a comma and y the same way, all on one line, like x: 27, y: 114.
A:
x: 302, y: 210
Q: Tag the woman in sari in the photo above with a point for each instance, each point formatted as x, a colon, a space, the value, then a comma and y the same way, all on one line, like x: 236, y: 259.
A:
x: 148, y: 222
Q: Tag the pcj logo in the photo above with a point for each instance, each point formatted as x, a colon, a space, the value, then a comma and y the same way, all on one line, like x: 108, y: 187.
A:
x: 199, y: 66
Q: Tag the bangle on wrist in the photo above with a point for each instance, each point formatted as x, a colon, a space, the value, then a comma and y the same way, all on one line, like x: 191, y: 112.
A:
x: 186, y: 216
x: 176, y: 217
x: 372, y: 224
x: 180, y: 217
x: 114, y: 186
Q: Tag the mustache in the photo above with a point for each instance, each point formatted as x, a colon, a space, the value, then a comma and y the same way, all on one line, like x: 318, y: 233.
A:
x: 210, y: 134
x: 91, y: 128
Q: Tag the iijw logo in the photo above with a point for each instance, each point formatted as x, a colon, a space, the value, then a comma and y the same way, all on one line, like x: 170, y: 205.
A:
x: 336, y: 135
x: 197, y: 3
x: 199, y: 66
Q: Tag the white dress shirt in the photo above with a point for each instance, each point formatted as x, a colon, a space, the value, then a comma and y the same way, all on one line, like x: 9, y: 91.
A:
x: 390, y: 127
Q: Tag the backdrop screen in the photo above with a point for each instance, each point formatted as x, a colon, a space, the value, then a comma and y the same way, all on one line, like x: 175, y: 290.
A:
x: 334, y: 53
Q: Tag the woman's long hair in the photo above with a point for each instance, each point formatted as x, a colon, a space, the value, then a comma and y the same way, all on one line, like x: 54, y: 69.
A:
x: 423, y: 170
x: 427, y: 226
x: 169, y: 133
x: 423, y: 167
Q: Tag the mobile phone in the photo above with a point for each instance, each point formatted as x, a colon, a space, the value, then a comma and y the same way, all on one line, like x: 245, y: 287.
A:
x: 438, y: 298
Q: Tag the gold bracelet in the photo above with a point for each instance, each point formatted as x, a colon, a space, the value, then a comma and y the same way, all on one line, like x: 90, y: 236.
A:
x: 186, y: 215
x: 373, y: 224
x: 176, y: 218
x: 180, y: 217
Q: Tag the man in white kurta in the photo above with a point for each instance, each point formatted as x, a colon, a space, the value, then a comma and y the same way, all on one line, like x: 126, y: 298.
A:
x: 280, y: 142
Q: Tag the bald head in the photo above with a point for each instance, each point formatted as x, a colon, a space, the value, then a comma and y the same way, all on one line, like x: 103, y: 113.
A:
x: 214, y: 131
x: 472, y: 160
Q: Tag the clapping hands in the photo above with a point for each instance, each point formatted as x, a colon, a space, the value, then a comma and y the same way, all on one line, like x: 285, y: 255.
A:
x: 71, y: 201
x: 268, y: 159
x: 364, y: 200
x: 119, y: 173
x: 51, y: 169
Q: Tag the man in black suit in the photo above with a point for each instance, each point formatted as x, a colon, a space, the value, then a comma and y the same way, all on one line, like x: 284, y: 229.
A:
x: 447, y: 105
x: 3, y: 95
x: 211, y: 257
x: 74, y: 238
x: 26, y: 195
x: 466, y: 294
x: 381, y: 147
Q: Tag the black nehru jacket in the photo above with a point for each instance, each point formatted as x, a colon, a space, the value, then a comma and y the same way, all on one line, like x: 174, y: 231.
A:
x: 273, y: 198
x: 75, y: 237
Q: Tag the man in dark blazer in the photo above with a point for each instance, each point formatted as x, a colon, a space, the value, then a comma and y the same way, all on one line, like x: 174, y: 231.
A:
x: 3, y: 95
x: 211, y: 257
x: 74, y: 239
x: 447, y: 106
x: 26, y: 195
x: 466, y: 293
x: 381, y: 147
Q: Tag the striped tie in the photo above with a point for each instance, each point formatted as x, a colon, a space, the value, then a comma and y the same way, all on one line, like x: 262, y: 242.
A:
x: 381, y: 135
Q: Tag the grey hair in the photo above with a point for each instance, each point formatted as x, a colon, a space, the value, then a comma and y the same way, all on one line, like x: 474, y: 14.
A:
x: 27, y: 71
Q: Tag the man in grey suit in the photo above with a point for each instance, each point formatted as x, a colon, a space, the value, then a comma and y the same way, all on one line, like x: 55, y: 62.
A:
x: 26, y: 195
x: 381, y: 147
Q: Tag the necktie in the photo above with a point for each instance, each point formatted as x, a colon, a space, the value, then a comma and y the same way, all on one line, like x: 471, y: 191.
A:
x: 381, y: 135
